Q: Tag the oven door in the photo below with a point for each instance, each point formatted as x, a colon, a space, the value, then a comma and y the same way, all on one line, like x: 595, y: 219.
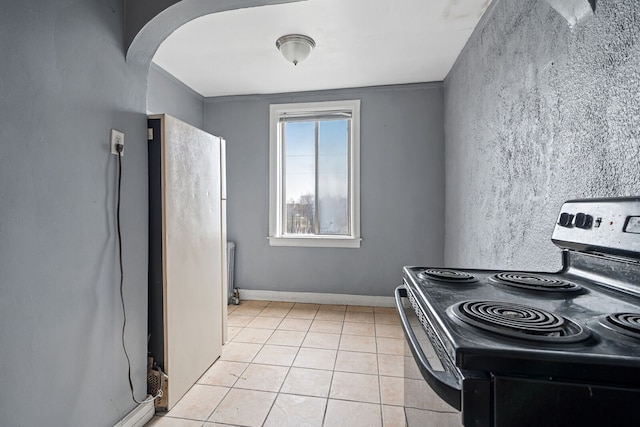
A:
x: 432, y: 395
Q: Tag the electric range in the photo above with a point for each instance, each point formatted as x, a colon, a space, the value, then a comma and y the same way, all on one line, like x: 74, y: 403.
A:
x: 518, y: 348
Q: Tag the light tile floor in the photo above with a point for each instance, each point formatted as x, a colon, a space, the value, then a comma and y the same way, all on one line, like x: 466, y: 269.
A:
x: 293, y: 364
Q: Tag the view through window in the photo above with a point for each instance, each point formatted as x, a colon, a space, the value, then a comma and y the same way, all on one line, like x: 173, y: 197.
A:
x: 314, y: 165
x: 316, y: 171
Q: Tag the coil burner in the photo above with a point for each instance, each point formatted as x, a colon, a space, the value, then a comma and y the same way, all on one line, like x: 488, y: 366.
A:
x: 534, y: 282
x: 446, y: 275
x: 519, y: 321
x: 625, y: 323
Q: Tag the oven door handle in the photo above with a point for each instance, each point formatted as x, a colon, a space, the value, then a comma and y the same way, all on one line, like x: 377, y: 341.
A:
x: 445, y: 384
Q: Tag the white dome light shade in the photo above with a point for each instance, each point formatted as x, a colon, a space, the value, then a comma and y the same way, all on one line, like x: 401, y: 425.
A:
x: 295, y: 47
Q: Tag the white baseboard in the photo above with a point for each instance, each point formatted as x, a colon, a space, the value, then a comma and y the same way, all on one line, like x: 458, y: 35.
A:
x: 317, y: 298
x: 139, y: 416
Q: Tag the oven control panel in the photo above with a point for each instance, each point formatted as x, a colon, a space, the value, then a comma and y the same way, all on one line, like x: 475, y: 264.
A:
x: 610, y: 226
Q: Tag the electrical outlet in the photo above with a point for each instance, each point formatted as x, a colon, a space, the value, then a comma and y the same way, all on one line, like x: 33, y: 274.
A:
x: 117, y: 137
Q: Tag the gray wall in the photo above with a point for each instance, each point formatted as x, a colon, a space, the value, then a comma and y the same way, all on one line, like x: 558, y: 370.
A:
x: 166, y: 94
x: 65, y: 84
x: 402, y: 197
x: 536, y: 114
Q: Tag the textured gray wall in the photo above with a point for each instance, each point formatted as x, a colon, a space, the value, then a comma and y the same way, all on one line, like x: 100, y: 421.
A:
x: 402, y: 192
x: 535, y: 114
x: 64, y: 85
x: 167, y: 95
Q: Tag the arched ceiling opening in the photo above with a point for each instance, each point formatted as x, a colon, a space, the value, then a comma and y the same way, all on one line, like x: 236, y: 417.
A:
x: 150, y: 22
x: 359, y: 42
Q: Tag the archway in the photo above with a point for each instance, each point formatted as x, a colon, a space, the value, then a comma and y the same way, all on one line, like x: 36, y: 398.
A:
x: 150, y: 22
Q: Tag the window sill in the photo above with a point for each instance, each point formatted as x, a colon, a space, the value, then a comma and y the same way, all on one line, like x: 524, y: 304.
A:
x: 316, y: 242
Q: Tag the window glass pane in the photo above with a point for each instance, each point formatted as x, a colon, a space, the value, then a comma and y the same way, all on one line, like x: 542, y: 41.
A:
x: 333, y: 177
x: 313, y: 174
x: 299, y: 176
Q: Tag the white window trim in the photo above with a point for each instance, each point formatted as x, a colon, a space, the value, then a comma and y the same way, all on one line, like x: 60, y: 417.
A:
x: 276, y: 236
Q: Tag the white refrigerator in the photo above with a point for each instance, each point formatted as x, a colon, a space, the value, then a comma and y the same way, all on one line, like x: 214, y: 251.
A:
x: 187, y: 250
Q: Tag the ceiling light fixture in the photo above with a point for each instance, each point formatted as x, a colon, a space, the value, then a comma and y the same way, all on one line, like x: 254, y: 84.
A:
x: 295, y: 47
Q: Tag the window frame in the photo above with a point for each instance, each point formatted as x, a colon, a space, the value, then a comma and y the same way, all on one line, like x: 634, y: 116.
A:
x: 277, y: 236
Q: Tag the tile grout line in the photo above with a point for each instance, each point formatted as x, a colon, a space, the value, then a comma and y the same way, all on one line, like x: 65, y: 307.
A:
x: 279, y: 392
x: 237, y: 379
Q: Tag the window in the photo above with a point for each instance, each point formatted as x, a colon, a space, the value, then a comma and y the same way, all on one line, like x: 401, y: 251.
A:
x: 314, y: 197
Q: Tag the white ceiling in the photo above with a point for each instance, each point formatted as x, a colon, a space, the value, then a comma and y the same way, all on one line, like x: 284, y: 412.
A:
x: 358, y: 43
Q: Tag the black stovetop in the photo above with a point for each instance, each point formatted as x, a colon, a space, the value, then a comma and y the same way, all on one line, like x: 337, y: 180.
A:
x: 598, y: 353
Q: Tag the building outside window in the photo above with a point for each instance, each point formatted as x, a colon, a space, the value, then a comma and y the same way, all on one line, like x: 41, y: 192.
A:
x: 314, y: 174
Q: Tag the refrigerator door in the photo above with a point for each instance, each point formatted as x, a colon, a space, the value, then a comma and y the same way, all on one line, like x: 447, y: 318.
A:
x: 225, y: 270
x: 223, y: 216
x: 192, y: 252
x: 223, y: 169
